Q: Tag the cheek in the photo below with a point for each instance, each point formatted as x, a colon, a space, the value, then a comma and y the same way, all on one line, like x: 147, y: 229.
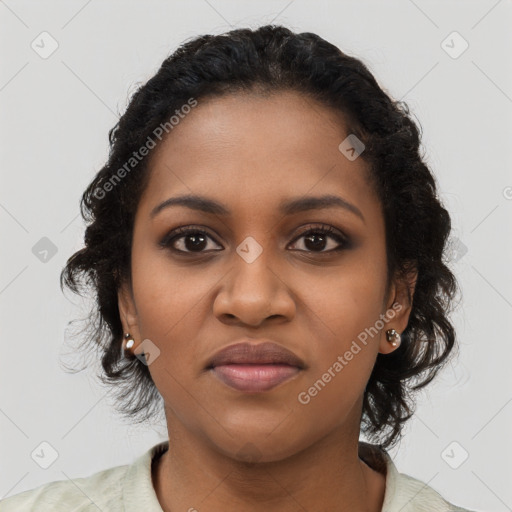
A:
x: 170, y: 300
x: 169, y: 306
x: 348, y: 300
x: 343, y: 358
x: 346, y: 310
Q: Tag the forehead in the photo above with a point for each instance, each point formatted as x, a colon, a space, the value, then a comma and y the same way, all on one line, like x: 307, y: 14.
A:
x: 247, y: 147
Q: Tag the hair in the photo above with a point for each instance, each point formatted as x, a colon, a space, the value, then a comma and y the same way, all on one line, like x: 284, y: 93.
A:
x: 270, y: 59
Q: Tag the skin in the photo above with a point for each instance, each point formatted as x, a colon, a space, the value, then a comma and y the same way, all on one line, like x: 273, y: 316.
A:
x: 250, y: 153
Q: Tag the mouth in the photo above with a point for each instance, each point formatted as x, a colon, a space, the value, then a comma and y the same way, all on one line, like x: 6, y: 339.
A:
x: 254, y: 378
x: 255, y: 368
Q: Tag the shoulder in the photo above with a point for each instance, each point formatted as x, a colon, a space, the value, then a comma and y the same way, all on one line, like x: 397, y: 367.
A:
x: 403, y: 493
x: 413, y: 495
x: 100, y: 491
x: 127, y: 488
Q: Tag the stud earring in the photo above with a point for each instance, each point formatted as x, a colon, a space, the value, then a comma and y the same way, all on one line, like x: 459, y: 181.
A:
x: 128, y: 343
x: 393, y: 337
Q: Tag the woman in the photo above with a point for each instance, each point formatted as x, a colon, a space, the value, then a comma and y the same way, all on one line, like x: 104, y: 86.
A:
x: 267, y: 248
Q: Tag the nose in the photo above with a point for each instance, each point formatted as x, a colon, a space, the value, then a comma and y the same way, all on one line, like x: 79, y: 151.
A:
x: 253, y: 293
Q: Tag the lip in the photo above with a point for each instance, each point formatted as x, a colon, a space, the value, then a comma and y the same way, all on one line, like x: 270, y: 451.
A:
x: 266, y: 352
x: 254, y: 378
x: 250, y: 367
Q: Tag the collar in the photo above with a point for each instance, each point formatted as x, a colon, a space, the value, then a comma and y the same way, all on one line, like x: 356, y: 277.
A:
x: 139, y: 493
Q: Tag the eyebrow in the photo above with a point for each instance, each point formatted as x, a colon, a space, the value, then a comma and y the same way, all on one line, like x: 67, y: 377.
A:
x: 289, y: 207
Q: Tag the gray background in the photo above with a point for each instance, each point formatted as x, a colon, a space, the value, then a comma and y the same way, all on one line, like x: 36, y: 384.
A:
x: 56, y: 113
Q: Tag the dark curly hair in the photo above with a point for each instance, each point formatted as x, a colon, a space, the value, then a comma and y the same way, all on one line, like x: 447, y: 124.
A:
x: 268, y: 59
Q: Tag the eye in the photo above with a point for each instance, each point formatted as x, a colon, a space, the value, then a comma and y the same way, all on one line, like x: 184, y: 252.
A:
x: 195, y: 240
x: 316, y: 239
x: 187, y: 240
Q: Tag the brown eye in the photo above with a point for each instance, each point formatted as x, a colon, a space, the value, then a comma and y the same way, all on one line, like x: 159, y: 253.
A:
x: 317, y: 240
x: 187, y: 240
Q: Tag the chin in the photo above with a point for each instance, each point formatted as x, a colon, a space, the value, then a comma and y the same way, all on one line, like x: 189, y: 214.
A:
x: 260, y: 445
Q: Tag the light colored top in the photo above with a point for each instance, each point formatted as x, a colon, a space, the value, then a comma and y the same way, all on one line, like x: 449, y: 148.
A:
x: 129, y: 488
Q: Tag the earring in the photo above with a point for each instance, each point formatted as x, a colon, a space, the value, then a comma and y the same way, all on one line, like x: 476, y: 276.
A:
x: 393, y: 337
x: 127, y: 344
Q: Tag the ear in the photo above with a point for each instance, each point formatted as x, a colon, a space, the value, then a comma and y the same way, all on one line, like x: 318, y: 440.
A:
x: 399, y: 305
x: 128, y: 314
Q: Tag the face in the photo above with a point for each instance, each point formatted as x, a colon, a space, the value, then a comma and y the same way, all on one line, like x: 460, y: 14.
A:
x: 250, y: 268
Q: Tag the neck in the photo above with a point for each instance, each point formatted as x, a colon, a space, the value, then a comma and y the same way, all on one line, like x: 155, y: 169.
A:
x: 328, y: 475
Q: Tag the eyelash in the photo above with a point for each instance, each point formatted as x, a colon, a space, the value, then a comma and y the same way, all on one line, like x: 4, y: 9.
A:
x: 182, y: 232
